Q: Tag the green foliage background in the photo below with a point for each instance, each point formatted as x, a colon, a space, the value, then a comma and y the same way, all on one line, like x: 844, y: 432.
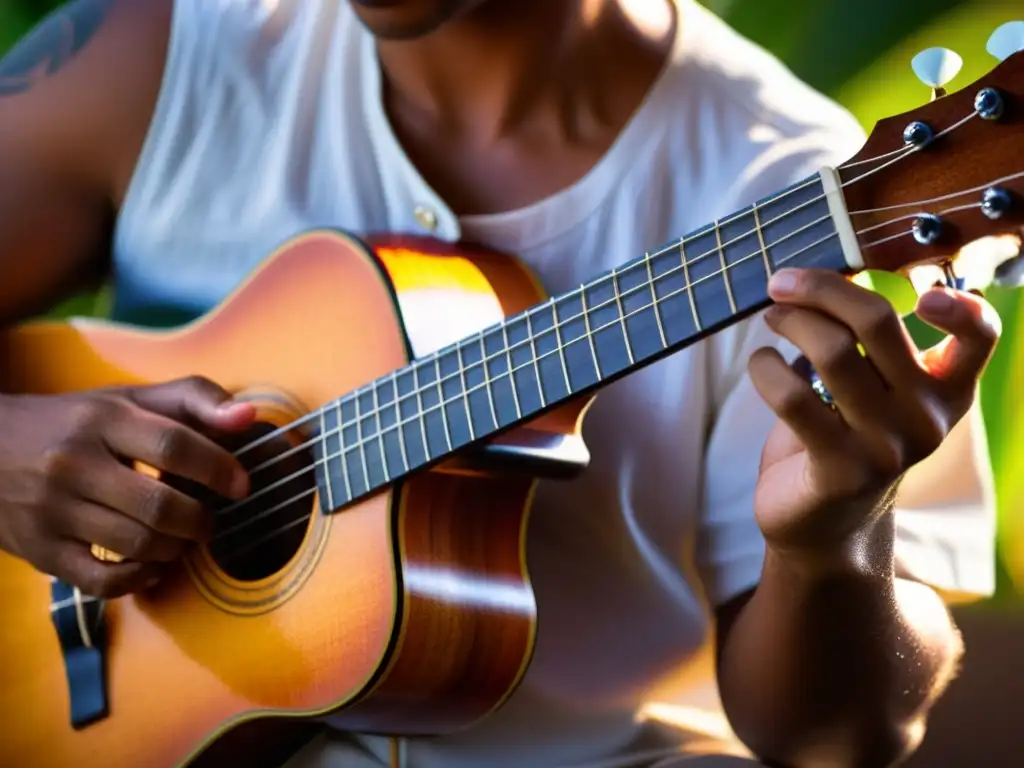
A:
x: 857, y: 51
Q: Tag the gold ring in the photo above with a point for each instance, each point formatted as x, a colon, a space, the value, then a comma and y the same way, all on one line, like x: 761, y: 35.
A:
x: 105, y: 555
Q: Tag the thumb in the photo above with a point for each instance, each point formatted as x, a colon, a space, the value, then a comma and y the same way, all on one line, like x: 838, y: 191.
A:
x: 196, y: 401
x: 973, y: 329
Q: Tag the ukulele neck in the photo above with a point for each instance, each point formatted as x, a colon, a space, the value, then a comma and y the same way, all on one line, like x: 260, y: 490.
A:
x: 577, y: 342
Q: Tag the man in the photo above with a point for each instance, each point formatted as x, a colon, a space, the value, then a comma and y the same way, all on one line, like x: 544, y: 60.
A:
x: 171, y: 144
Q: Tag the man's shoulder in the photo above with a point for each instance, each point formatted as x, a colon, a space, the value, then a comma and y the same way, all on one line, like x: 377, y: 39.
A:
x: 750, y: 97
x: 77, y: 91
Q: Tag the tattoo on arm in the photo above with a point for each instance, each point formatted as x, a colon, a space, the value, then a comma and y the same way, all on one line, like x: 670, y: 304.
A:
x: 52, y: 45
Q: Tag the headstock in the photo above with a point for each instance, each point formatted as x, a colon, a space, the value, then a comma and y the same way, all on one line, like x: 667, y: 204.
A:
x: 931, y: 181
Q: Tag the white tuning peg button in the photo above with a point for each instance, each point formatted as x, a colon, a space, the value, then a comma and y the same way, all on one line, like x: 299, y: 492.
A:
x: 1006, y: 40
x: 935, y: 67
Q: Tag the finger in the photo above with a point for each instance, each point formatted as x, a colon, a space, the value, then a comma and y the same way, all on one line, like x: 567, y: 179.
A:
x: 74, y: 563
x: 831, y: 348
x: 153, y: 503
x: 869, y: 316
x: 176, y: 449
x: 196, y: 400
x: 817, y: 426
x: 94, y: 524
x: 974, y: 328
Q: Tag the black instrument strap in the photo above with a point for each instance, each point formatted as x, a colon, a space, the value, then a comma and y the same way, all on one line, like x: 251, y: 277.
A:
x: 78, y: 620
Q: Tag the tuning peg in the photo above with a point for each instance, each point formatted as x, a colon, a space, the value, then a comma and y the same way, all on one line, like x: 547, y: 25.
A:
x: 1006, y: 40
x: 935, y: 67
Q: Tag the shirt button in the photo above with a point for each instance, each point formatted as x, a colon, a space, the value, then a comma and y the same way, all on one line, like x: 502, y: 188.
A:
x: 426, y: 218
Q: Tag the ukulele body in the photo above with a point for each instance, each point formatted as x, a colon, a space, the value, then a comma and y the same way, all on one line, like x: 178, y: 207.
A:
x: 409, y: 612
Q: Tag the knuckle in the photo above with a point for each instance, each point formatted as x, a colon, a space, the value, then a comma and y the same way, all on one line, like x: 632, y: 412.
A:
x: 200, y: 386
x: 806, y: 282
x: 988, y: 330
x: 89, y: 413
x: 839, y: 354
x: 793, y: 401
x: 879, y: 319
x: 57, y: 461
x: 170, y: 444
x: 141, y: 544
x: 156, y: 507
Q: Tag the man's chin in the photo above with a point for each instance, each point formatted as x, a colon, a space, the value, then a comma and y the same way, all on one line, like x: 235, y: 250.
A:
x: 407, y: 19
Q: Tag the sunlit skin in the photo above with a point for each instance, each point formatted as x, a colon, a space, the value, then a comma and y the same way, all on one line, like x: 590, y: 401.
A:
x: 501, y: 103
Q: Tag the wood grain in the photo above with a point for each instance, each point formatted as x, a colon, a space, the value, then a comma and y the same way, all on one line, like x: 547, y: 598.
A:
x: 410, y: 612
x: 884, y: 194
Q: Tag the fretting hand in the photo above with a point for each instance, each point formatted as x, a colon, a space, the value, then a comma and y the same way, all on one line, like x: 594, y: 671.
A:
x: 826, y: 473
x: 65, y: 485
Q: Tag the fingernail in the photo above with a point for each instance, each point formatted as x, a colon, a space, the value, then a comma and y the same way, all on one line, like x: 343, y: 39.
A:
x: 782, y: 283
x: 152, y: 582
x: 937, y: 303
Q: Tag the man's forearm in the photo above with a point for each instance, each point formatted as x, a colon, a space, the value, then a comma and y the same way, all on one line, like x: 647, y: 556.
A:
x: 836, y: 666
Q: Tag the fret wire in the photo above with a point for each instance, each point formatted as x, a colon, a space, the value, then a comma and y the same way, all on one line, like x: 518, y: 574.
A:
x: 362, y: 444
x: 689, y: 285
x: 421, y: 414
x: 398, y: 421
x: 443, y: 404
x: 380, y: 435
x: 809, y: 182
x: 590, y: 334
x: 342, y: 451
x: 511, y: 369
x: 764, y: 246
x: 533, y: 356
x: 622, y: 316
x: 654, y: 300
x: 327, y: 470
x: 669, y: 295
x: 560, y: 346
x: 684, y: 265
x: 465, y: 392
x: 726, y: 277
x: 487, y: 381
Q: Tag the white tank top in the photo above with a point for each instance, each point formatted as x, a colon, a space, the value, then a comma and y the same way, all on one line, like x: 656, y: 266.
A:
x: 270, y: 122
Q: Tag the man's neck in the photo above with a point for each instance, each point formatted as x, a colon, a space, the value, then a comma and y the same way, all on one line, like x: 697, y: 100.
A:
x: 485, y: 74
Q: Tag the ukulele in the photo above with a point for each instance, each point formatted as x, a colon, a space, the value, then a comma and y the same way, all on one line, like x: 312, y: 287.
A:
x: 410, y: 394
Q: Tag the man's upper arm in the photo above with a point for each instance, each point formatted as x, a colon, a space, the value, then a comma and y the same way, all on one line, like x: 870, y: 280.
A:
x: 76, y: 96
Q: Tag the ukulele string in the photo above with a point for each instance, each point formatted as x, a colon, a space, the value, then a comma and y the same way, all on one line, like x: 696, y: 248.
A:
x: 911, y: 216
x: 890, y: 157
x: 556, y: 327
x: 624, y: 294
x: 281, y: 431
x: 562, y: 323
x: 889, y: 238
x: 910, y: 150
x: 264, y: 514
x: 940, y: 198
x: 376, y: 437
x: 363, y: 441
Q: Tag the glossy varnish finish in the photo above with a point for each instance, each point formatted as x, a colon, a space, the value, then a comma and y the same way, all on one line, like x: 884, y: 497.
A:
x: 947, y: 178
x: 410, y: 611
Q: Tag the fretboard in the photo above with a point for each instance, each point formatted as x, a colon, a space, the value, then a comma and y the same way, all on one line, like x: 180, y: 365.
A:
x: 571, y: 344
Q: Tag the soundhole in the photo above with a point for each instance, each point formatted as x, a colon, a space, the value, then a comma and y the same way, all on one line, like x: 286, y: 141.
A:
x: 256, y: 537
